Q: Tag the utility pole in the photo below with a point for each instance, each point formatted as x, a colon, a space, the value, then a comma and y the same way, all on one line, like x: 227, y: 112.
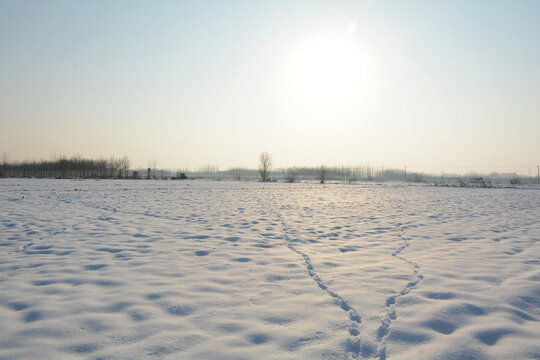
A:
x: 538, y: 175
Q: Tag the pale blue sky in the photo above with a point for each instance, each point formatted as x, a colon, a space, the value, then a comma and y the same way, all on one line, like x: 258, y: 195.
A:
x: 189, y: 83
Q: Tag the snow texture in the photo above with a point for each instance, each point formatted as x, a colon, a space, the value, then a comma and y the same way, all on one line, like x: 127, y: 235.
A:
x: 245, y: 270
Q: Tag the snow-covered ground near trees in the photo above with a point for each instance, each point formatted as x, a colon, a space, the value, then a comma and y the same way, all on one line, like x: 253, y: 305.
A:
x: 246, y: 270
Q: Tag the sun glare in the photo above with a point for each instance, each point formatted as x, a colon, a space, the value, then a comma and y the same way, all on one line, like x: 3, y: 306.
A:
x: 327, y: 72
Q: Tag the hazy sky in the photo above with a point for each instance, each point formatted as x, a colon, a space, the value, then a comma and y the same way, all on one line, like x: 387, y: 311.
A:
x: 191, y: 83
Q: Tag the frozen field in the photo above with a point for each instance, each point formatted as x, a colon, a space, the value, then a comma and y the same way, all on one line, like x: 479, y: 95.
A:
x: 245, y: 270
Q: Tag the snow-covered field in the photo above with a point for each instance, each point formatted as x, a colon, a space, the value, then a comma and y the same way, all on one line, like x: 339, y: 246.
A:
x: 245, y: 270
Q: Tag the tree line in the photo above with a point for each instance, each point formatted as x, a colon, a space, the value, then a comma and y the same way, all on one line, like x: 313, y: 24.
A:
x: 324, y: 172
x: 119, y: 167
x: 64, y: 167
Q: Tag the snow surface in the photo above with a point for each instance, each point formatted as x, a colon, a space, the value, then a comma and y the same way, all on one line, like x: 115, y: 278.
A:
x: 245, y: 270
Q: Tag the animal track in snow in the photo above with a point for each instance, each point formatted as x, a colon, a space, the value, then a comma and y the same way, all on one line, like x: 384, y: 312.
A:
x: 386, y: 322
x: 353, y: 314
x: 353, y: 345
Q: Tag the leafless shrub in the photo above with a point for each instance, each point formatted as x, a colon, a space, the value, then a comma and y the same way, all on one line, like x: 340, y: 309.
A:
x: 292, y: 175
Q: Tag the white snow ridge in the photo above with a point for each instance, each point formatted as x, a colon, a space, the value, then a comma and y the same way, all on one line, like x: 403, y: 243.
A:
x: 244, y: 270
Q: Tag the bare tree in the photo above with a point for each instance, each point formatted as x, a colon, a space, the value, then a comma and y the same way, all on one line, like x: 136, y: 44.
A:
x: 323, y: 171
x: 237, y: 173
x: 4, y: 164
x: 101, y: 165
x: 115, y: 167
x: 124, y: 166
x: 265, y: 165
x: 152, y: 165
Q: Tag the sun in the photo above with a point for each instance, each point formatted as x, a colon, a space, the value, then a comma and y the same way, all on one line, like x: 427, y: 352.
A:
x: 327, y: 72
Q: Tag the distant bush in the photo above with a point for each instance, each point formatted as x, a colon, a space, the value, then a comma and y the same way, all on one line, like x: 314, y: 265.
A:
x: 180, y: 176
x: 480, y: 182
x: 291, y: 176
x: 416, y: 178
x: 515, y: 181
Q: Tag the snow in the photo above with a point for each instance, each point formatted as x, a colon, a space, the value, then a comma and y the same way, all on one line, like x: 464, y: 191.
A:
x: 246, y: 270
